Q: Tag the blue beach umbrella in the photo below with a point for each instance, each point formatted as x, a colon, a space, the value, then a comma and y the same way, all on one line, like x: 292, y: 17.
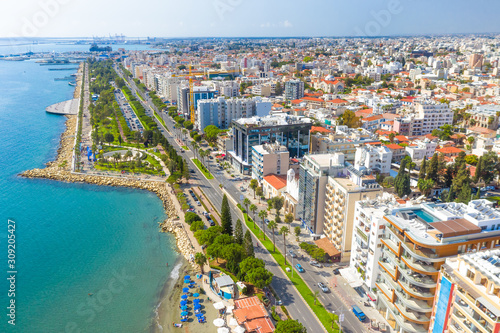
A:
x: 184, y: 313
x: 184, y: 296
x: 185, y: 290
x: 199, y: 315
x: 184, y: 307
x: 187, y: 277
x: 183, y: 303
x: 196, y: 295
x: 196, y: 300
x: 197, y: 306
x: 187, y: 281
x: 184, y: 319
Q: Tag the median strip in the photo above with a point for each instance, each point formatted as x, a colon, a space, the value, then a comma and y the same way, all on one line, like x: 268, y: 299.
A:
x: 203, y: 169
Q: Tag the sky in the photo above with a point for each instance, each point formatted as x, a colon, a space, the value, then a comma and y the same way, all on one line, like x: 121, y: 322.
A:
x: 245, y: 18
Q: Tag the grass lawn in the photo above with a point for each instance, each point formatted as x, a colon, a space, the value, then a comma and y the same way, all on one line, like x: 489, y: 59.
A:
x: 185, y: 147
x: 159, y: 119
x: 203, y: 170
x: 318, y: 309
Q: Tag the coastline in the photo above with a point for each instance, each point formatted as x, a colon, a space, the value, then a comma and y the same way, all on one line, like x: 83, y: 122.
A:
x: 59, y: 169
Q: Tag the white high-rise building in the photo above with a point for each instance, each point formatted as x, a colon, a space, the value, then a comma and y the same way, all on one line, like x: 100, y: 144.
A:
x: 373, y: 158
x: 221, y: 111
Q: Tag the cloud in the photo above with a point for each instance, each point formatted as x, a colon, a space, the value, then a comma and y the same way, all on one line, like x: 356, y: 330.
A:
x: 287, y: 24
x: 284, y: 24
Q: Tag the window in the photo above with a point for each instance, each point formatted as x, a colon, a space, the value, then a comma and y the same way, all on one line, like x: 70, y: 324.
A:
x: 470, y: 274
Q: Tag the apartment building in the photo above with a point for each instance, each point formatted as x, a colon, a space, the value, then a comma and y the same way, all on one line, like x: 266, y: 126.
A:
x: 342, y: 194
x: 476, y: 60
x: 421, y: 149
x: 398, y: 152
x: 199, y: 93
x: 373, y: 158
x: 468, y: 294
x: 313, y: 177
x: 428, y: 116
x: 268, y: 159
x: 294, y: 89
x: 221, y: 111
x: 485, y: 116
x: 290, y: 131
x: 417, y: 241
x: 368, y: 229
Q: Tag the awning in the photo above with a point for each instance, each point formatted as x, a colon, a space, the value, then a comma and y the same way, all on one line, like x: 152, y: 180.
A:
x: 350, y: 275
x: 489, y: 306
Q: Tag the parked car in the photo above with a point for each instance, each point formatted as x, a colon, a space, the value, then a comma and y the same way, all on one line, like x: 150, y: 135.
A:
x: 299, y: 268
x: 323, y: 287
x: 292, y: 254
x: 242, y: 189
x: 315, y: 264
x: 198, y: 203
x: 336, y: 271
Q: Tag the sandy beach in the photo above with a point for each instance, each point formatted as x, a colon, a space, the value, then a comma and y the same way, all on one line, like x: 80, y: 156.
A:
x: 169, y: 311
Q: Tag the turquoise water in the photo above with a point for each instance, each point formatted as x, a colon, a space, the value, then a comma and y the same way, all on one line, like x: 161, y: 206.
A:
x: 425, y: 216
x: 71, y: 239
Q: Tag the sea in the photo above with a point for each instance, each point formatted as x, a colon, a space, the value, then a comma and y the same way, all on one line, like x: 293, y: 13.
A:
x: 87, y: 258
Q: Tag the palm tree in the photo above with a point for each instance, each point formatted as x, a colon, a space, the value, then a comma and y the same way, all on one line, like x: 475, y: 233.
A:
x: 273, y: 225
x: 253, y: 208
x: 246, y: 202
x: 195, y: 147
x: 116, y: 158
x: 315, y: 294
x: 200, y: 259
x: 263, y: 215
x: 284, y: 231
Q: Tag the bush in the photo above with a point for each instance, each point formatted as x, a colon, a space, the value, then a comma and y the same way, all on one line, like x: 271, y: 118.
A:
x: 191, y: 217
x: 314, y: 251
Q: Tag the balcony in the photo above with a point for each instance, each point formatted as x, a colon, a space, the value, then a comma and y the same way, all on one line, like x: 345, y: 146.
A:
x: 411, y: 315
x: 389, y: 268
x: 390, y: 244
x: 385, y: 289
x: 406, y: 325
x: 420, y: 266
x: 413, y: 303
x: 417, y: 279
x: 416, y: 292
x: 414, y: 250
x: 472, y: 317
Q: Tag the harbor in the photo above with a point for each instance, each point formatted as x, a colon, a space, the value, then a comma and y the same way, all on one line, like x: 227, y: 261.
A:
x: 69, y: 107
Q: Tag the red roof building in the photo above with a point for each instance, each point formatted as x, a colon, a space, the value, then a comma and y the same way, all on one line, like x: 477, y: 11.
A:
x: 252, y: 314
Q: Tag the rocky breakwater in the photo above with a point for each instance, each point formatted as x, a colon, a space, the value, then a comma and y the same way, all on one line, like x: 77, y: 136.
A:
x: 183, y: 242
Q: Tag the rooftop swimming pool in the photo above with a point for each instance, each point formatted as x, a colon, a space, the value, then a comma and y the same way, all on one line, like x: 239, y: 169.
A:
x: 425, y: 216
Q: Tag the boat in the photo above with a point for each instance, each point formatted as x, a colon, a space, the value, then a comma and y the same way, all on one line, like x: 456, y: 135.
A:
x: 73, y: 84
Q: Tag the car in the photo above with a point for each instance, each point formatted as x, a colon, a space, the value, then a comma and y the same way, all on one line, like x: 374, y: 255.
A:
x: 315, y: 264
x: 292, y: 254
x: 299, y: 268
x: 490, y: 188
x: 191, y: 171
x: 266, y: 221
x: 242, y: 189
x: 212, y: 223
x: 198, y: 203
x: 336, y: 271
x: 323, y: 287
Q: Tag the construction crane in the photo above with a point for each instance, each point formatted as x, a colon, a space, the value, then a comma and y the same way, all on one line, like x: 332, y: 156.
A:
x: 191, y: 95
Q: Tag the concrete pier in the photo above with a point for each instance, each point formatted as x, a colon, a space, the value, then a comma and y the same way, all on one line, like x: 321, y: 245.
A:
x: 64, y: 108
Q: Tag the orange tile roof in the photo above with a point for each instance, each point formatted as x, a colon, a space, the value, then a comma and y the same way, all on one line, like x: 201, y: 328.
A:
x: 401, y: 138
x: 250, y: 312
x: 394, y: 146
x: 276, y: 181
x: 376, y: 117
x: 449, y: 150
x: 319, y: 129
x: 337, y: 101
x: 313, y: 99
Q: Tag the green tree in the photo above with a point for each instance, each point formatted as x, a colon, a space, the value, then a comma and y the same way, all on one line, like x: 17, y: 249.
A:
x: 108, y: 137
x: 402, y: 181
x: 289, y: 218
x: 207, y: 237
x: 425, y: 186
x: 188, y: 125
x: 238, y: 232
x: 197, y: 225
x: 248, y: 244
x: 349, y: 119
x: 471, y: 159
x: 253, y: 185
x: 289, y: 326
x: 225, y: 218
x: 479, y: 170
x: 284, y: 231
x: 391, y: 137
x: 259, y: 192
x: 263, y: 216
x: 460, y: 188
x: 433, y: 168
x: 190, y: 217
x: 273, y: 225
x: 215, y: 250
x: 278, y: 204
x: 211, y: 133
x: 423, y: 166
x: 249, y: 264
x: 297, y: 232
x: 489, y: 167
x: 200, y: 259
x: 253, y: 209
x: 315, y: 294
x: 129, y: 154
x: 260, y: 277
x: 246, y: 202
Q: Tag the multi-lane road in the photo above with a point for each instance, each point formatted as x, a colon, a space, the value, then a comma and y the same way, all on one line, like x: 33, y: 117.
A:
x: 290, y: 297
